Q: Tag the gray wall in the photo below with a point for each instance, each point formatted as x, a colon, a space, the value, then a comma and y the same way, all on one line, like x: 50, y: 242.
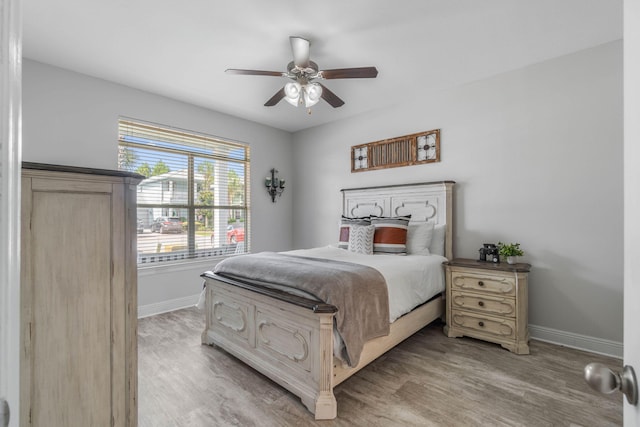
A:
x: 537, y: 157
x: 72, y: 119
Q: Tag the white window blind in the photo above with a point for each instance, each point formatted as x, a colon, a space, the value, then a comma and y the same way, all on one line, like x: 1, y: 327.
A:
x: 194, y: 201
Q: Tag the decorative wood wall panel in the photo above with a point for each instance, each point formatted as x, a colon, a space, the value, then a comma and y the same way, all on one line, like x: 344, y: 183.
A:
x: 415, y: 149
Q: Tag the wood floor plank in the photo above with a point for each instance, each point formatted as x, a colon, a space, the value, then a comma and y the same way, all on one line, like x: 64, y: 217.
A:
x: 428, y: 380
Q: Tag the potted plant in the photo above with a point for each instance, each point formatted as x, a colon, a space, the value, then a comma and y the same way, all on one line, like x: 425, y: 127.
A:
x: 510, y: 251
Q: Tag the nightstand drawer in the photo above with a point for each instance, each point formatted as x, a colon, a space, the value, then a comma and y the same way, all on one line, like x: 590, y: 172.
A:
x: 485, y: 283
x: 485, y: 304
x: 502, y: 328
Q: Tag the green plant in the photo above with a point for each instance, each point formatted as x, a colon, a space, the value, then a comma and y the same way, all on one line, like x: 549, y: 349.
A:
x: 509, y: 249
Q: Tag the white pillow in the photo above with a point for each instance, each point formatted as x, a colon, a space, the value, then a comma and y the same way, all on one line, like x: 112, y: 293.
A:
x: 361, y: 239
x: 437, y: 242
x: 419, y: 237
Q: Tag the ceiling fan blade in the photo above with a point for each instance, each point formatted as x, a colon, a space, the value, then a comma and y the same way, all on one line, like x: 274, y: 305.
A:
x: 254, y: 72
x: 300, y: 50
x: 331, y: 97
x: 350, y: 73
x: 275, y: 98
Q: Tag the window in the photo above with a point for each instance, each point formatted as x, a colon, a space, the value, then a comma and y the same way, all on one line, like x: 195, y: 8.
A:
x: 194, y: 201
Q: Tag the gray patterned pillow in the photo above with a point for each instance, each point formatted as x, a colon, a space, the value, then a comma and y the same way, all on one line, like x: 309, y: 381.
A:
x: 345, y: 225
x: 361, y: 239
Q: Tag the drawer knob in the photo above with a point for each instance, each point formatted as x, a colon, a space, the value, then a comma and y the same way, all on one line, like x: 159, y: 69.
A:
x: 480, y: 283
x: 481, y: 324
x: 481, y: 303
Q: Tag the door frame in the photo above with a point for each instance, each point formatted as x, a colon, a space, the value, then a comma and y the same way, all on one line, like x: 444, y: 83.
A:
x: 10, y: 167
x: 631, y: 91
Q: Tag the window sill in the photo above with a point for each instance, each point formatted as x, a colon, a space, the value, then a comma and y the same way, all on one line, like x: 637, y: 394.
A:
x: 169, y: 267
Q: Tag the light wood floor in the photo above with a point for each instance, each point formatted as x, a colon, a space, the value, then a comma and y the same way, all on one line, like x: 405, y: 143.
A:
x: 428, y: 380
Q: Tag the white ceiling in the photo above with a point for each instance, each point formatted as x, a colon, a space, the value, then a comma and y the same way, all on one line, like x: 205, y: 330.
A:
x: 180, y: 49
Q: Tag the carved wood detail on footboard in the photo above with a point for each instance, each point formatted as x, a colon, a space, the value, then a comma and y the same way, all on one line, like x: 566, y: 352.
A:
x: 295, y: 350
x: 280, y: 339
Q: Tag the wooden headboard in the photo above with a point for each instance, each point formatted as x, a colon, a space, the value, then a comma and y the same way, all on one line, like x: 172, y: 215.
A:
x: 429, y: 201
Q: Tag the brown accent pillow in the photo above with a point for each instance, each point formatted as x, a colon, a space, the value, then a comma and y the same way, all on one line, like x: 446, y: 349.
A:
x: 391, y: 235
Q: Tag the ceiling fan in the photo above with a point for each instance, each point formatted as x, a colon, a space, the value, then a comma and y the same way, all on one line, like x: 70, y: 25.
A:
x: 304, y: 89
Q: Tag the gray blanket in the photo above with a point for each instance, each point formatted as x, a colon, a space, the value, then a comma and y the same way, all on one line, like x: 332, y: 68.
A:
x: 359, y: 292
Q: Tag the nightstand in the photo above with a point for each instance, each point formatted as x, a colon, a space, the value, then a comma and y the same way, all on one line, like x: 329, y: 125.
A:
x: 488, y: 301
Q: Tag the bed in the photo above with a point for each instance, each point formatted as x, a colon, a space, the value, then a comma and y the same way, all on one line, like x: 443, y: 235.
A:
x: 290, y: 337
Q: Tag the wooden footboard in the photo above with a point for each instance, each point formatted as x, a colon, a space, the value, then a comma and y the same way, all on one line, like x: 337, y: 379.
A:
x: 289, y: 339
x: 289, y: 342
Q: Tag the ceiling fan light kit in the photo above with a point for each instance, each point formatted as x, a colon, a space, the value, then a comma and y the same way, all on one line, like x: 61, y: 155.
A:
x: 295, y: 94
x: 303, y: 72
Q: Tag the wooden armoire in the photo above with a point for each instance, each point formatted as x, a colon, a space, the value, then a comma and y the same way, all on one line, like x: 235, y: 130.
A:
x: 78, y: 297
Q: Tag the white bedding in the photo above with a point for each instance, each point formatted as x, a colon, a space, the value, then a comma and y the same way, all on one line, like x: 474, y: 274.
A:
x: 411, y: 279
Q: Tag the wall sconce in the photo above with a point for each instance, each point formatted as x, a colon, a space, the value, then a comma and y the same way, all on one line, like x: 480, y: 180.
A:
x: 275, y: 185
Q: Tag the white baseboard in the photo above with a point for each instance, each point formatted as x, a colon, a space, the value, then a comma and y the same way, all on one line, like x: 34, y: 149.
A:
x: 577, y: 341
x: 166, y: 306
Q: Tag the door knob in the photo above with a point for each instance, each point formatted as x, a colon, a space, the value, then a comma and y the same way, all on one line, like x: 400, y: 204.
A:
x: 604, y: 380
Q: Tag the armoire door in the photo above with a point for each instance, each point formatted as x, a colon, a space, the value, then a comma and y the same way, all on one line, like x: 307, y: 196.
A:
x: 74, y: 301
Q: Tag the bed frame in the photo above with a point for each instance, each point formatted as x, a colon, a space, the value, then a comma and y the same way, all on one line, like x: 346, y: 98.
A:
x: 288, y: 338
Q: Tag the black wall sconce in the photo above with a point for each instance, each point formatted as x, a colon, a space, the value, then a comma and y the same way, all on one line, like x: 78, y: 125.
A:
x: 275, y: 185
